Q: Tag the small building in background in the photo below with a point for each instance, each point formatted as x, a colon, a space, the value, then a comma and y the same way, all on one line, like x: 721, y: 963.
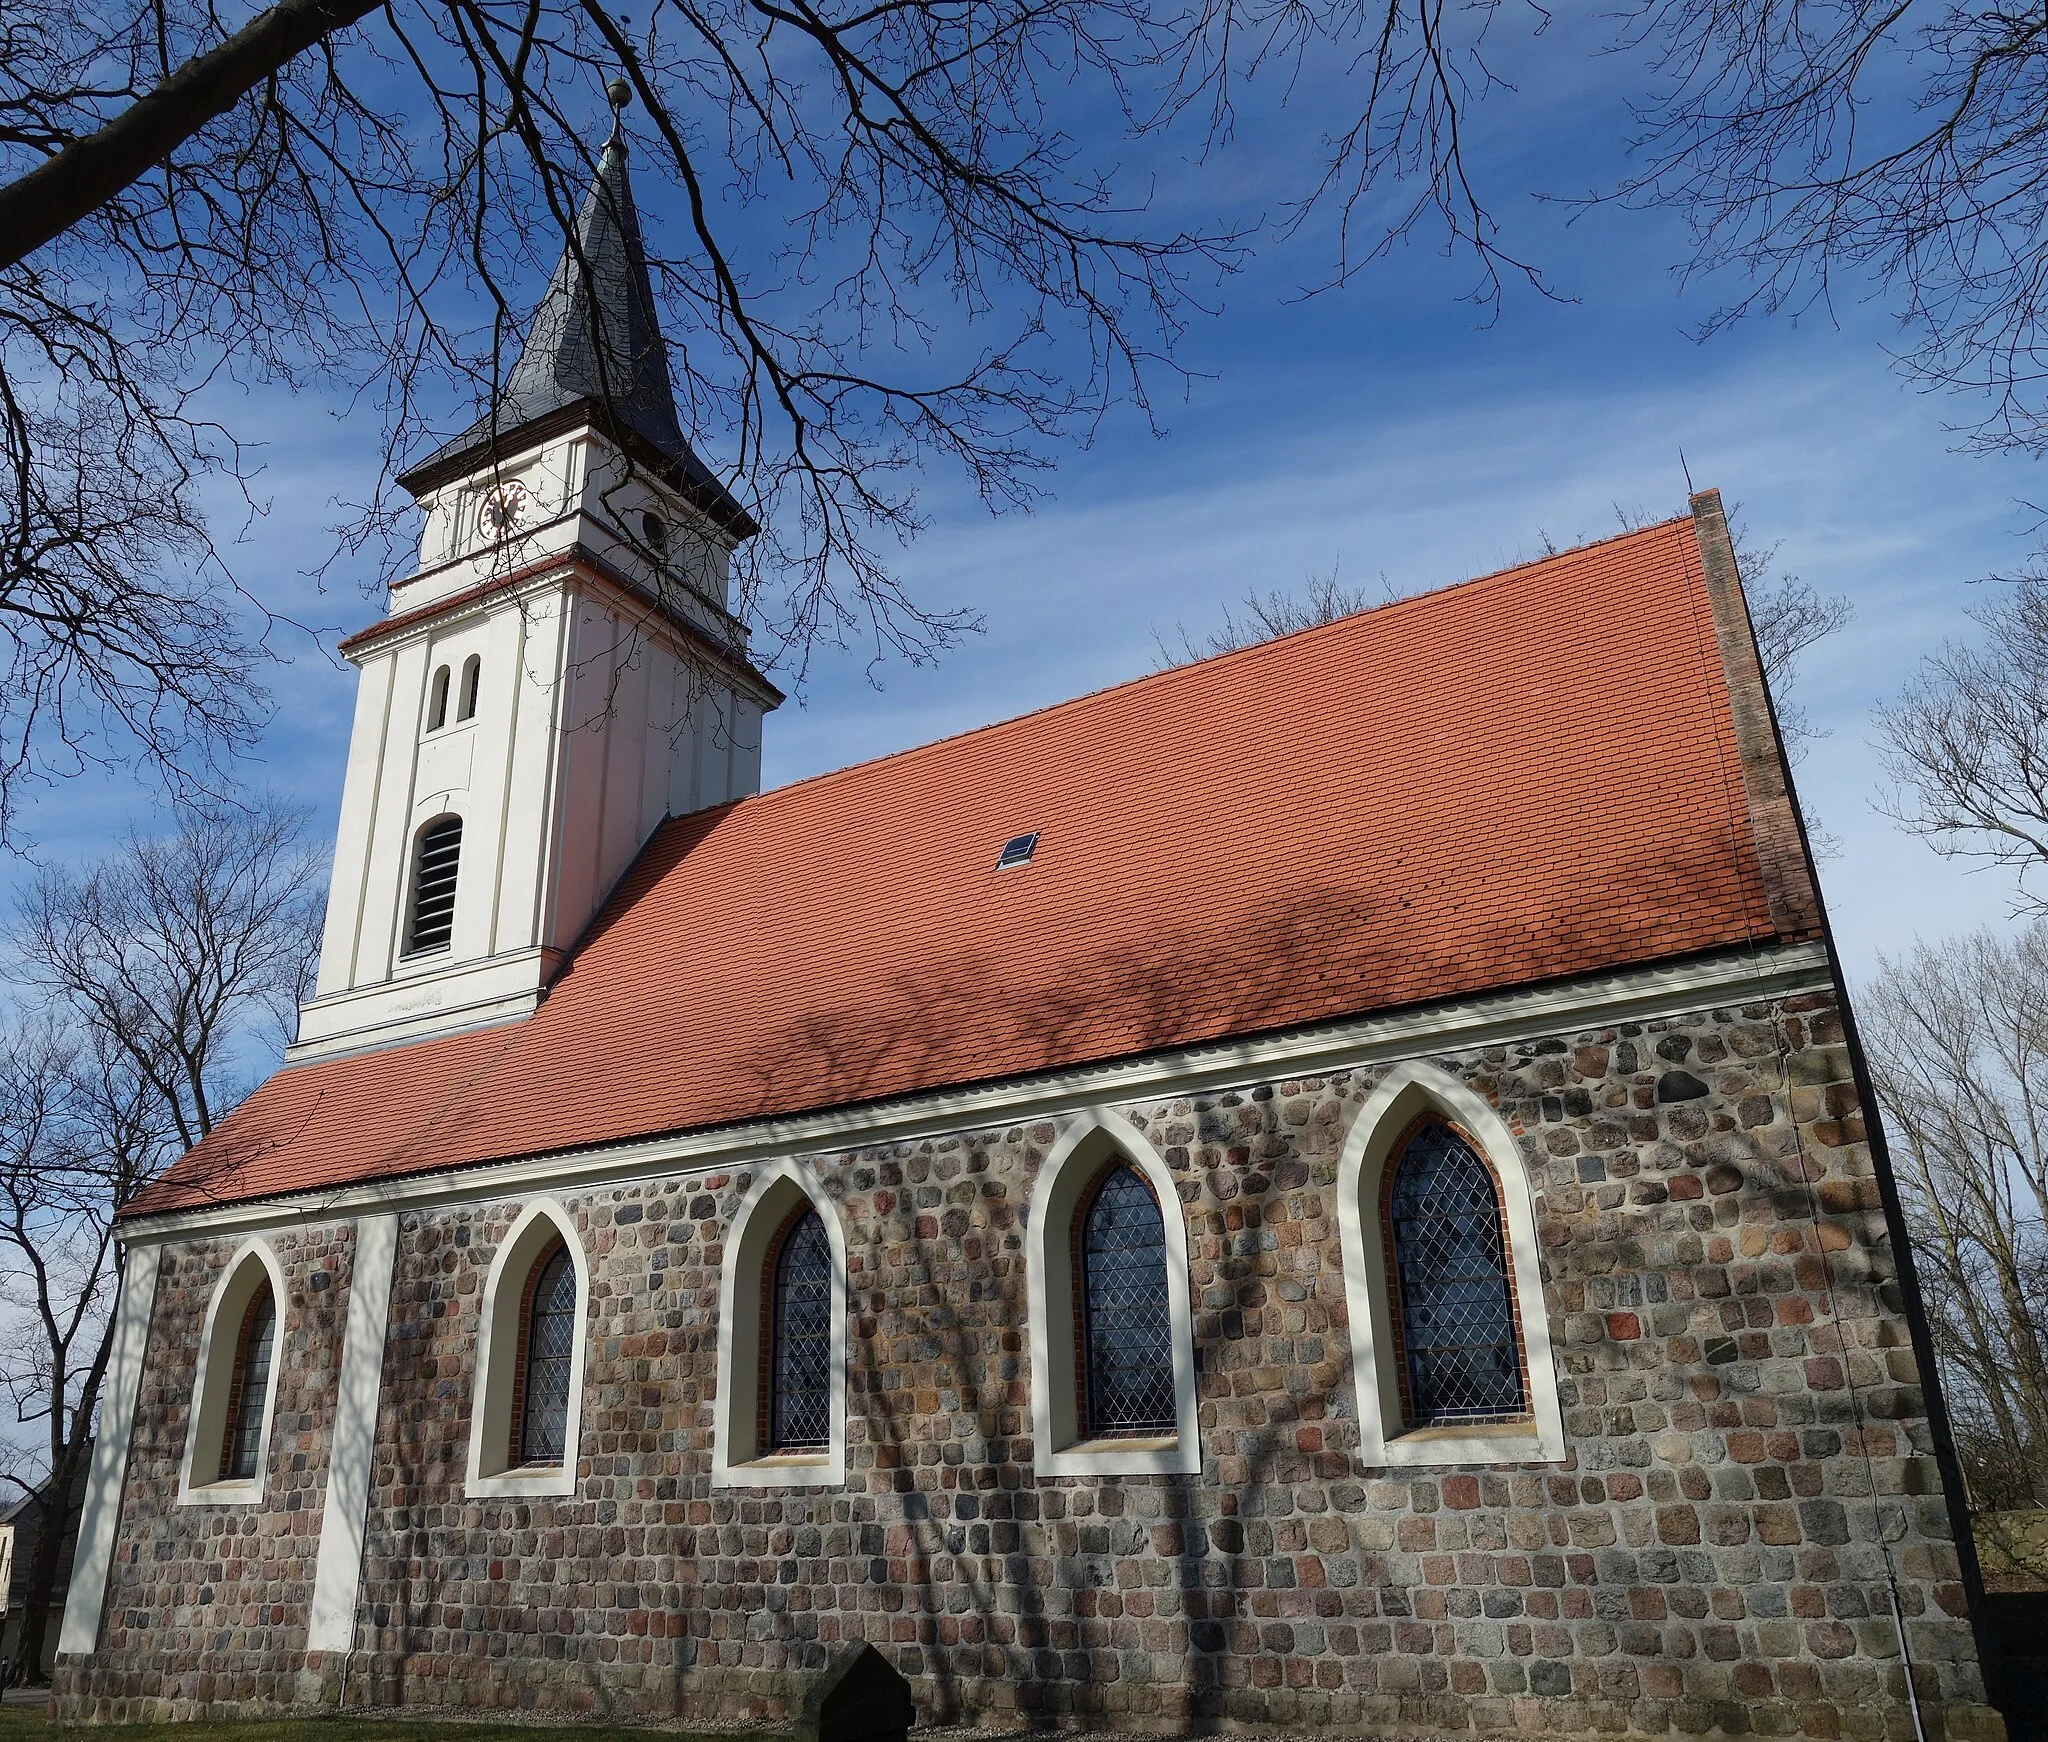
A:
x: 20, y: 1524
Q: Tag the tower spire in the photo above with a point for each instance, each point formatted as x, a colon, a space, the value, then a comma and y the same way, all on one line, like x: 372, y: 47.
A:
x: 594, y: 346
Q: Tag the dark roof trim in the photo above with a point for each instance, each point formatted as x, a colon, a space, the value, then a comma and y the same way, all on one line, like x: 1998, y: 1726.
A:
x: 705, y: 494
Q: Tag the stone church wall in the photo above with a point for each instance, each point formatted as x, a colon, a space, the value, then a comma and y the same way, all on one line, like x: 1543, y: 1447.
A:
x: 206, y: 1605
x: 1741, y: 1405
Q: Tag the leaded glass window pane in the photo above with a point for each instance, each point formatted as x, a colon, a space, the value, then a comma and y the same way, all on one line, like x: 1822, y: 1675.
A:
x: 1457, y: 1319
x: 800, y: 1360
x: 550, y: 1356
x: 252, y: 1387
x: 1126, y: 1326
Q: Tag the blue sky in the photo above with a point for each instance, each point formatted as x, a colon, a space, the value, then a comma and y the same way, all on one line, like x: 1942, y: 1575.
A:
x: 1383, y: 429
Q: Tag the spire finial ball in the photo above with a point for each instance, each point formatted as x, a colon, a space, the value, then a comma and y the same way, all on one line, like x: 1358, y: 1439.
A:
x: 620, y: 91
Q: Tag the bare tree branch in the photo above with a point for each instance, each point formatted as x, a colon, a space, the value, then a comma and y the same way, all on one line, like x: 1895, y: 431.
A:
x: 1958, y: 1037
x: 146, y: 976
x: 1966, y: 745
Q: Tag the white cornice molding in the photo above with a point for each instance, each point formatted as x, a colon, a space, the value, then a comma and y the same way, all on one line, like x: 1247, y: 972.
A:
x: 1595, y: 1001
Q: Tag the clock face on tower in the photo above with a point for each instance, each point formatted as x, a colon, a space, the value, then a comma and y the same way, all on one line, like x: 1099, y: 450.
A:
x: 504, y: 511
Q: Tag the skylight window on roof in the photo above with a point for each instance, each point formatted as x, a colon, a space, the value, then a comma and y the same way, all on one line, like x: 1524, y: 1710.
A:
x: 1017, y: 850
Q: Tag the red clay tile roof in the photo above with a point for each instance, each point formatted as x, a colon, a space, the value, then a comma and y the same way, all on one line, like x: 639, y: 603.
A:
x: 1523, y: 777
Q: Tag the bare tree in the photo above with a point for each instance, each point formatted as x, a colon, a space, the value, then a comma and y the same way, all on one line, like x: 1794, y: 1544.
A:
x: 152, y: 982
x: 1958, y: 1042
x: 1897, y: 143
x: 1966, y: 744
x: 1323, y: 599
x: 176, y: 947
x: 886, y: 252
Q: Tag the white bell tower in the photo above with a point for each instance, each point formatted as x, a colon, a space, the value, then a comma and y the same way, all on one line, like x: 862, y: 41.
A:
x: 559, y: 676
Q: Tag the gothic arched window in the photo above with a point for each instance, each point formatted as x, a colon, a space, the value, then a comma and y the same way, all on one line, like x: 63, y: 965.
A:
x: 241, y: 1453
x: 435, y: 862
x: 437, y: 700
x: 799, y: 1338
x: 472, y: 676
x: 1126, y: 1328
x: 1454, y: 1309
x: 547, y: 1356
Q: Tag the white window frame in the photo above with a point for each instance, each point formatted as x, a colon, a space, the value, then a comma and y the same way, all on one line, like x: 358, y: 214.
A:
x: 490, y: 1472
x: 1091, y: 1138
x: 1404, y: 1095
x: 219, y: 1346
x: 779, y: 1187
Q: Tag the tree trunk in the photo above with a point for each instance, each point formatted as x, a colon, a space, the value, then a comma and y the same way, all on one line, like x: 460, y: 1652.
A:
x: 43, y: 1562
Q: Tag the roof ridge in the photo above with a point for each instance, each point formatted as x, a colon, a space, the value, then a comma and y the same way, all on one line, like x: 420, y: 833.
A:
x: 1206, y: 662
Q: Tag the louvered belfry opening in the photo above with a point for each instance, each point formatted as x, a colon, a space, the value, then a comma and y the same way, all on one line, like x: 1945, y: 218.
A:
x: 1126, y: 1319
x: 1461, y: 1356
x: 546, y: 1362
x: 799, y: 1413
x: 433, y: 887
x: 242, y: 1454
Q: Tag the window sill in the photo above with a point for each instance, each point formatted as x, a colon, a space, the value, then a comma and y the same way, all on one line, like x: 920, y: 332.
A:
x: 246, y: 1491
x: 1149, y: 1455
x: 1493, y: 1442
x: 784, y: 1470
x: 547, y: 1480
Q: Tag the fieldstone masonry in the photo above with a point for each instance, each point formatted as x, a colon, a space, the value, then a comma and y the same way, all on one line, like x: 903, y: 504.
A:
x: 1750, y: 1465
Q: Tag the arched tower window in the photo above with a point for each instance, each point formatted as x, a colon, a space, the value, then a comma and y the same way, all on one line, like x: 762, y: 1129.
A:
x: 1454, y: 1306
x: 798, y: 1338
x: 437, y: 700
x: 436, y: 860
x: 547, y: 1360
x: 241, y: 1454
x: 1125, y: 1326
x: 472, y: 675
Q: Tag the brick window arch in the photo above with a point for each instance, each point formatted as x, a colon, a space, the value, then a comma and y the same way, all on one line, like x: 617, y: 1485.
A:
x: 547, y: 1361
x: 1123, y: 1314
x: 1458, y: 1334
x: 1111, y: 1315
x: 241, y: 1452
x: 526, y: 1408
x: 780, y: 1412
x: 1443, y: 1280
x: 796, y: 1338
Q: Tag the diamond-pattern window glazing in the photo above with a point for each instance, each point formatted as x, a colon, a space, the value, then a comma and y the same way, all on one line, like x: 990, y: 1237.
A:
x: 800, y: 1361
x: 1457, y: 1318
x: 1127, y: 1331
x: 550, y: 1356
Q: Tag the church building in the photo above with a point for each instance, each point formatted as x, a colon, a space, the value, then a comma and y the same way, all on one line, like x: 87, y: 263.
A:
x: 1330, y: 1187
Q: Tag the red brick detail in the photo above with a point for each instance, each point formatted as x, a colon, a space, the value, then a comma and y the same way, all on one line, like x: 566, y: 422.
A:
x: 241, y: 1372
x: 764, y: 1359
x: 1077, y: 1270
x: 1789, y: 884
x: 518, y: 1415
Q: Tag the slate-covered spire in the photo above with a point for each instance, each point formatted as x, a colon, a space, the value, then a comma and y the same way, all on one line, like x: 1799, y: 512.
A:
x: 595, y: 345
